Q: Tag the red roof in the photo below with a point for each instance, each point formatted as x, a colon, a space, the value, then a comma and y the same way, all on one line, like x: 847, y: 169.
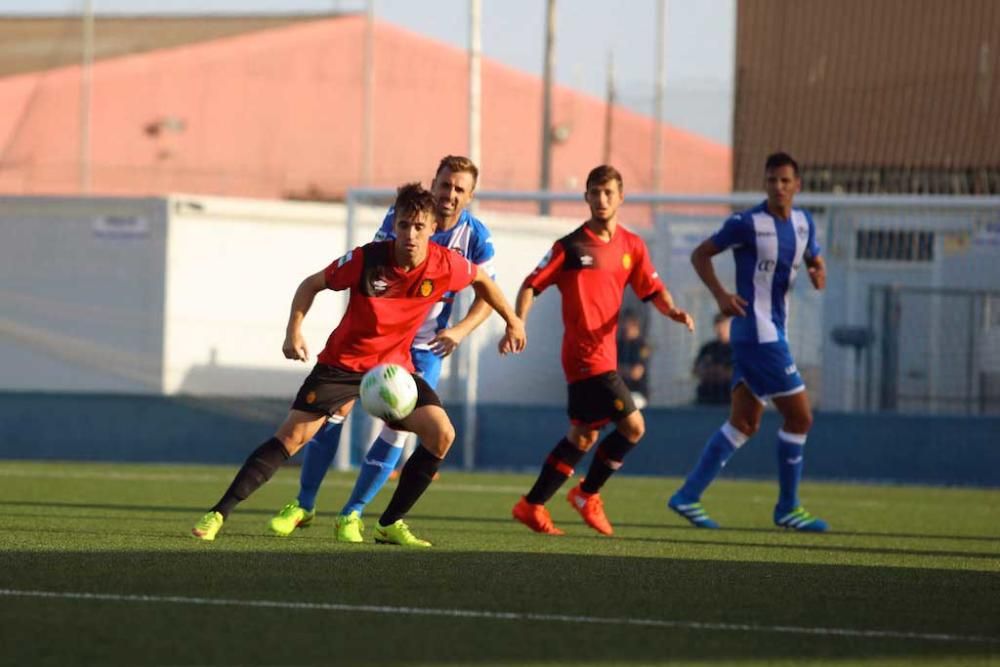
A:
x: 279, y: 112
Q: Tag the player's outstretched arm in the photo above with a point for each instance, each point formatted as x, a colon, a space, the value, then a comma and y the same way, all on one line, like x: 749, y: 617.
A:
x: 817, y: 271
x: 701, y: 260
x: 515, y: 337
x: 665, y: 304
x: 525, y: 300
x: 294, y: 346
x: 447, y: 339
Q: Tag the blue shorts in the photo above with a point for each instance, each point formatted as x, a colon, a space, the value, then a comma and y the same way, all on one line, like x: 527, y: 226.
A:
x: 767, y: 369
x: 428, y: 365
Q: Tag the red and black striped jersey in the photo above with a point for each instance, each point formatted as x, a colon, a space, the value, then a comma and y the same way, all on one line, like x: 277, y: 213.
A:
x: 591, y: 275
x: 387, y: 305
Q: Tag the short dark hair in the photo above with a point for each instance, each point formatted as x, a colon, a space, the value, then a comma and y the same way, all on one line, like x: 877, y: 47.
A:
x: 456, y: 164
x: 779, y: 159
x: 413, y: 199
x: 603, y: 174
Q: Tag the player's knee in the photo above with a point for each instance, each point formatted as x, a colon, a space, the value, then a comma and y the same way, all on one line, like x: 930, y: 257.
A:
x: 440, y: 440
x: 344, y: 409
x: 632, y: 429
x: 748, y: 426
x: 583, y: 441
x: 292, y: 442
x: 800, y: 423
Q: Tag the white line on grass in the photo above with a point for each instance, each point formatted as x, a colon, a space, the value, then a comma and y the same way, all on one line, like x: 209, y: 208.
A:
x: 505, y: 616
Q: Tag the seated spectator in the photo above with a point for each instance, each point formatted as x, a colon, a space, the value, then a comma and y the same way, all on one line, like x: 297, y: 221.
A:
x: 714, y: 366
x: 633, y: 355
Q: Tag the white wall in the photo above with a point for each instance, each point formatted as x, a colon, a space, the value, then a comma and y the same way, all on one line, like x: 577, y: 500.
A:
x: 81, y: 287
x: 195, y: 299
x: 233, y: 266
x: 535, y: 376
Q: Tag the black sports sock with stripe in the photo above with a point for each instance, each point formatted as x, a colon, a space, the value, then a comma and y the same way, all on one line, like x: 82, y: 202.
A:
x: 607, y: 460
x: 415, y: 477
x: 259, y: 467
x: 558, y: 467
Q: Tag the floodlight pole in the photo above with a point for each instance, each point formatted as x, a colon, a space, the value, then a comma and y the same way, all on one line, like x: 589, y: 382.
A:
x: 545, y: 183
x: 367, y: 103
x: 661, y: 84
x: 475, y: 80
x: 86, y: 68
x: 609, y: 109
x: 466, y: 359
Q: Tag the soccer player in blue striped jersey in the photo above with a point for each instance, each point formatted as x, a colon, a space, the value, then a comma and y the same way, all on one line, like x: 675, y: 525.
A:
x: 453, y: 188
x: 770, y: 243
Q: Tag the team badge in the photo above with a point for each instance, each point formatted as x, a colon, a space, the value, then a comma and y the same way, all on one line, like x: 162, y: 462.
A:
x: 619, y: 403
x: 345, y: 259
x: 627, y: 261
x: 311, y: 397
x: 426, y: 288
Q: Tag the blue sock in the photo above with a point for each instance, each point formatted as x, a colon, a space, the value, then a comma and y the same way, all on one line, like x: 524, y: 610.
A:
x: 719, y: 448
x: 790, y: 448
x: 376, y: 467
x: 318, y: 457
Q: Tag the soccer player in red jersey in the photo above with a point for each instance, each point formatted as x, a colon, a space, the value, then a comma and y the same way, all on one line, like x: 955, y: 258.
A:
x: 591, y: 267
x: 393, y: 285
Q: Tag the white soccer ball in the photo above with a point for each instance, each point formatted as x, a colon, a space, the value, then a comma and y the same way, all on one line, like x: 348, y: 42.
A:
x: 388, y: 392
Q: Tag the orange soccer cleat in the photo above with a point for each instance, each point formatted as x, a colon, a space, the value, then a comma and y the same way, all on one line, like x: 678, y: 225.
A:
x: 591, y: 508
x: 535, y: 517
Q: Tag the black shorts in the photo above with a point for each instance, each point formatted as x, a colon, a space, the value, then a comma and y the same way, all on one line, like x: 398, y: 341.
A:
x: 598, y: 400
x: 327, y: 388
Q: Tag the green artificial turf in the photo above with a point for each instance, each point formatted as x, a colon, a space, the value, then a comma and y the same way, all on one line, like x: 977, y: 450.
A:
x: 909, y: 575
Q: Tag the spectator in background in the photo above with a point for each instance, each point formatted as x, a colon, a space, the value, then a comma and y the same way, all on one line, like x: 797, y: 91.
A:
x: 633, y: 358
x: 714, y: 366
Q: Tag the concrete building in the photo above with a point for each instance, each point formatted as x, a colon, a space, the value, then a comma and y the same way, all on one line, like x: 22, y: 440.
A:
x: 251, y: 108
x: 896, y: 96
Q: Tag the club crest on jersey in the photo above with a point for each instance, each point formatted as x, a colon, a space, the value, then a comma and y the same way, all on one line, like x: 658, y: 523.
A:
x: 545, y: 260
x: 345, y: 259
x: 426, y: 287
x: 627, y: 261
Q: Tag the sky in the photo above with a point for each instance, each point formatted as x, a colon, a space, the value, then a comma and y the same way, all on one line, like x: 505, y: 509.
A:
x: 699, y: 42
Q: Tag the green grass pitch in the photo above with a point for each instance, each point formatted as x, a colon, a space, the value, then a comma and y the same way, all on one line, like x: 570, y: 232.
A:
x: 97, y: 567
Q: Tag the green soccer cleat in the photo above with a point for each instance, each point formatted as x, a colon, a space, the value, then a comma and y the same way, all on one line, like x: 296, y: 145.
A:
x: 692, y: 511
x: 350, y: 528
x: 398, y: 533
x: 801, y: 520
x: 208, y: 526
x: 289, y: 518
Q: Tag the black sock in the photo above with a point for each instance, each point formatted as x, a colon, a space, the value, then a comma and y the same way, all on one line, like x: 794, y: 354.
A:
x: 414, y: 479
x: 557, y: 469
x: 259, y: 467
x: 607, y: 459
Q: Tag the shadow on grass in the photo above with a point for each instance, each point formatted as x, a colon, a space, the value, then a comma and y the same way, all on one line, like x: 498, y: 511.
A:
x: 767, y: 596
x: 674, y: 534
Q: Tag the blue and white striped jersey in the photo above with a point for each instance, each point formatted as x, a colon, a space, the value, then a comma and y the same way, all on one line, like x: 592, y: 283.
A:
x: 768, y: 253
x: 469, y: 238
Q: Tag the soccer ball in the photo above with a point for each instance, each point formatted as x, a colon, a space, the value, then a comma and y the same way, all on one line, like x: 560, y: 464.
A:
x: 388, y: 392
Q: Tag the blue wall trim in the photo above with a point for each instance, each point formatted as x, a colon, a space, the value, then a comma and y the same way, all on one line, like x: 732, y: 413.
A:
x: 916, y: 449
